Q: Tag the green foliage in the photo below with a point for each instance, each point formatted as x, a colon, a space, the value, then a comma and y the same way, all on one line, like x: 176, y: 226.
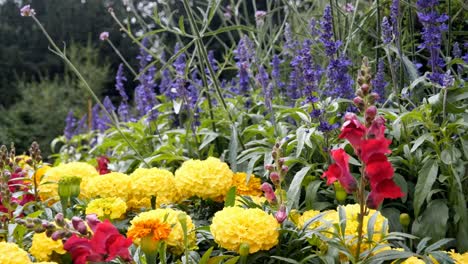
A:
x: 52, y: 98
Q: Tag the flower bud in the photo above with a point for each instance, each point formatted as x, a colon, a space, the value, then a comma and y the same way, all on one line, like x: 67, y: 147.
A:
x: 57, y: 235
x: 371, y: 112
x: 284, y: 168
x: 274, y: 177
x: 281, y: 214
x: 49, y: 233
x: 405, y: 219
x: 281, y: 161
x: 59, y: 219
x: 244, y: 249
x: 76, y: 221
x: 92, y: 221
x: 269, y: 193
x: 269, y: 167
x: 82, y: 228
x: 358, y: 101
x: 365, y: 88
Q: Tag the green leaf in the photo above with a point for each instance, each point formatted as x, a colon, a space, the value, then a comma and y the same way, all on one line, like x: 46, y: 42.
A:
x: 427, y: 177
x: 181, y: 24
x: 230, y: 197
x: 295, y: 187
x: 389, y: 255
x: 232, y: 260
x: 206, y: 256
x: 301, y: 135
x: 285, y: 260
x: 433, y: 222
x: 370, y: 226
x: 450, y: 155
x: 418, y: 142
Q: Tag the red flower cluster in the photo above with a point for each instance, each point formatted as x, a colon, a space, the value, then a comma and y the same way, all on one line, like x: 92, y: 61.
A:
x: 105, y: 245
x: 370, y: 145
x: 103, y: 162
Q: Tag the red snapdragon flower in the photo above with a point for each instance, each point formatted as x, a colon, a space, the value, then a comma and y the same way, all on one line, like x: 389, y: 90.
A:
x: 105, y: 245
x: 339, y: 171
x: 103, y: 163
x: 371, y: 146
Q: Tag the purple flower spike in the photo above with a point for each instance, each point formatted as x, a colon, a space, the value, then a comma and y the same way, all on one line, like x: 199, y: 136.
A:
x: 70, y: 125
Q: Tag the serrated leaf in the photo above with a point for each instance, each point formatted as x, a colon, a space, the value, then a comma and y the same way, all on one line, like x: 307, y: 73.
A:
x: 426, y: 178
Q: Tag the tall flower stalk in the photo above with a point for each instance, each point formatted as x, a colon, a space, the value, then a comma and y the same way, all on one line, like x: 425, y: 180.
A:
x: 370, y: 145
x: 28, y: 11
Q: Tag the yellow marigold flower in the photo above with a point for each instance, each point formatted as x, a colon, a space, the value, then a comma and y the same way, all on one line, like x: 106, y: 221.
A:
x: 43, y: 247
x: 207, y: 179
x: 48, y: 185
x: 145, y: 183
x: 46, y: 262
x: 10, y: 253
x: 156, y: 222
x: 459, y: 258
x: 107, y: 208
x: 252, y: 188
x: 234, y: 226
x: 114, y: 184
x: 329, y: 217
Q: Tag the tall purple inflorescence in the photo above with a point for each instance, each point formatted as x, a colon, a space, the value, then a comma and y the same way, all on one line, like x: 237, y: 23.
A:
x: 264, y: 81
x: 290, y: 44
x: 433, y: 27
x: 119, y: 83
x: 82, y: 126
x: 327, y: 35
x: 339, y: 83
x: 276, y: 72
x: 387, y: 32
x: 311, y: 71
x: 245, y: 55
x: 69, y: 126
x: 379, y: 83
x: 95, y: 117
x: 145, y: 95
x: 178, y: 89
x: 394, y: 15
x: 105, y: 121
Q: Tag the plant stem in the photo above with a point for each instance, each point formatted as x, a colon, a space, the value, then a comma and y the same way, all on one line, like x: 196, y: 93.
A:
x: 112, y: 116
x: 204, y: 57
x: 122, y: 58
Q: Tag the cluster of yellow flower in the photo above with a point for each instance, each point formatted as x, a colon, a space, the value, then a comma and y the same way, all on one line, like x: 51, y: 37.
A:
x: 10, y: 253
x: 235, y: 226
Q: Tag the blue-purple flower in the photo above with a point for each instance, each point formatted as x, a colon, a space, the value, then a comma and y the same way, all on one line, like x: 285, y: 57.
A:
x: 69, y: 126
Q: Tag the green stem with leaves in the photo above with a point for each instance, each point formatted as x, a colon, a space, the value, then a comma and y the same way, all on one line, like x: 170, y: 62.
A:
x: 112, y: 116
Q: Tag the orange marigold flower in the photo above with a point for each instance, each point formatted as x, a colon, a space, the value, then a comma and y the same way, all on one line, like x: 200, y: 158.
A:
x: 154, y: 228
x: 250, y: 188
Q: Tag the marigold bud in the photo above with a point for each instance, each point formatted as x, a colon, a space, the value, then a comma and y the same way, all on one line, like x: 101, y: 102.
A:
x: 244, y: 249
x: 405, y: 219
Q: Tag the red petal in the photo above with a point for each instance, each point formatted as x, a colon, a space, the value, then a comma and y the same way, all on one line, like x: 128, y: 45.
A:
x: 332, y: 174
x: 385, y: 189
x: 378, y: 168
x: 353, y: 131
x: 372, y: 146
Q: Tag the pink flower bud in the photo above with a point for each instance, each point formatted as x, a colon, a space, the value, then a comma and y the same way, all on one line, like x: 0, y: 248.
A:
x: 350, y: 116
x: 76, y: 222
x: 365, y: 88
x: 269, y: 193
x: 92, y: 221
x: 281, y: 214
x: 269, y: 167
x: 274, y: 177
x: 281, y: 161
x: 358, y: 101
x: 27, y: 11
x: 284, y: 168
x: 104, y: 35
x: 371, y: 112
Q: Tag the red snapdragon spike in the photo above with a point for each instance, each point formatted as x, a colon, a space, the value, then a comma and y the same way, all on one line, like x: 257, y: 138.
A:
x: 108, y: 242
x: 340, y: 171
x: 370, y: 147
x: 102, y: 168
x: 384, y: 189
x: 378, y: 169
x: 81, y: 250
x: 353, y: 131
